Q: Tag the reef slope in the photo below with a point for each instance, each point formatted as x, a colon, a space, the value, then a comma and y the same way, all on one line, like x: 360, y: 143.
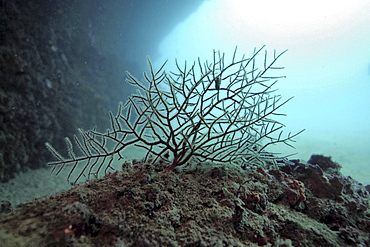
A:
x: 299, y: 204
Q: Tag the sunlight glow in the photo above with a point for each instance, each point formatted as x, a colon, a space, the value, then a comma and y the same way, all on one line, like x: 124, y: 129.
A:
x: 287, y: 18
x: 296, y: 14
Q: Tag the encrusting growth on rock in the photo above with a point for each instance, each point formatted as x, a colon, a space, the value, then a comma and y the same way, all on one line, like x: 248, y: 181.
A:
x: 207, y: 205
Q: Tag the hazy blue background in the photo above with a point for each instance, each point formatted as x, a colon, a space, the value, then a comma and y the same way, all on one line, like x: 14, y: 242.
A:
x: 327, y: 66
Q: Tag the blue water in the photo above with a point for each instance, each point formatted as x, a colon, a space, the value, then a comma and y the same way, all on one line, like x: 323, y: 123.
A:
x: 327, y: 69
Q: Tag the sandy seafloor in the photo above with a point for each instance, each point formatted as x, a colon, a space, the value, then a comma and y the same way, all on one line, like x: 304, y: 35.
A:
x: 26, y: 186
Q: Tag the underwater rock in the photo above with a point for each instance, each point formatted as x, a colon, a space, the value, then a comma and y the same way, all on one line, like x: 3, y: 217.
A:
x: 325, y: 163
x: 208, y: 205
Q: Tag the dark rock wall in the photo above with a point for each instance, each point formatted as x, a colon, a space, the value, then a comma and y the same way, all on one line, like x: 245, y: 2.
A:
x: 62, y: 68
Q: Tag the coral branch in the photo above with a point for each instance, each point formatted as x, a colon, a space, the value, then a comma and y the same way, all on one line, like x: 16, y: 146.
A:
x: 219, y: 111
